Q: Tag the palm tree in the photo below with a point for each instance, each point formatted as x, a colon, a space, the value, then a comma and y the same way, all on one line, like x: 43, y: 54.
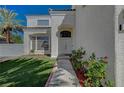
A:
x: 8, y: 23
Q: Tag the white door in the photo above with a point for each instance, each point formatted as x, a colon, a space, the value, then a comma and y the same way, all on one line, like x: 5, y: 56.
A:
x: 65, y: 43
x: 65, y: 46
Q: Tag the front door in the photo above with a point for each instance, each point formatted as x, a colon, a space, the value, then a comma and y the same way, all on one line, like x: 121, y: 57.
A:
x: 65, y: 43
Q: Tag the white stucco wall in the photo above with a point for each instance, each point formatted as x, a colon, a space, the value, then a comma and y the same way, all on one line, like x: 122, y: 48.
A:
x: 11, y: 50
x: 95, y: 32
x: 56, y: 21
x: 119, y: 48
x: 59, y: 18
x: 56, y: 18
x: 68, y: 24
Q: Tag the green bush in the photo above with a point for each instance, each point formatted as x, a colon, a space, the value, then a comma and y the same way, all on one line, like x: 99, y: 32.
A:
x: 94, y: 68
x: 76, y: 58
x: 96, y: 72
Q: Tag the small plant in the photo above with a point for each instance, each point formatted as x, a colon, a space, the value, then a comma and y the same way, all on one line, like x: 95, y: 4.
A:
x: 109, y: 83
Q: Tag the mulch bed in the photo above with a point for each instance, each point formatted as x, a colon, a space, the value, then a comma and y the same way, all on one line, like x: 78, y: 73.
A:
x: 80, y: 76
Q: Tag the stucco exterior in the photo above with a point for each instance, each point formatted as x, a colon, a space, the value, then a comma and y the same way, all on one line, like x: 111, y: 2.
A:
x: 61, y: 20
x: 32, y: 31
x: 95, y: 28
x: 9, y: 50
x: 56, y: 21
x: 119, y: 46
x: 95, y: 32
x: 32, y: 20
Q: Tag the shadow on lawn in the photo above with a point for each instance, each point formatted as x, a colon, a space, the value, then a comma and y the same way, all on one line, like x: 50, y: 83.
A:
x: 25, y: 72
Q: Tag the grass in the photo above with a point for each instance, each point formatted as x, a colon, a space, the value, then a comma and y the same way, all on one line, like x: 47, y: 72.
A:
x: 25, y: 72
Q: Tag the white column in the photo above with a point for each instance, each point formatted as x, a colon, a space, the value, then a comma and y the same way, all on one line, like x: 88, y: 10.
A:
x: 119, y: 64
x: 49, y: 43
x: 35, y: 42
x: 31, y: 44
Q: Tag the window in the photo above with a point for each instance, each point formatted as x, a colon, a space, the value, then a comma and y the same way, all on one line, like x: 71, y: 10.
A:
x: 65, y: 34
x: 43, y: 42
x: 43, y: 22
x: 120, y: 27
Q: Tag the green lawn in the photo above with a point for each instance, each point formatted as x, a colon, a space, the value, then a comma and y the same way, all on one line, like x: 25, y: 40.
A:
x: 25, y: 72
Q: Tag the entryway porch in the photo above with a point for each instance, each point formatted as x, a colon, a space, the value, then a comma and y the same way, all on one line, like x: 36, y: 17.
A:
x: 40, y: 44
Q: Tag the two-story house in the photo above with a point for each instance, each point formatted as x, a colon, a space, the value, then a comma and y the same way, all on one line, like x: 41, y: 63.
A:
x: 98, y: 29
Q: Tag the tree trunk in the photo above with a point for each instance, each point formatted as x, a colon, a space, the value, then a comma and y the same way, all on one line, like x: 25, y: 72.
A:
x: 8, y: 37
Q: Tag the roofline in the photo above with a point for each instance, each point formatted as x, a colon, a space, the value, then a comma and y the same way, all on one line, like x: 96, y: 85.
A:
x: 62, y: 9
x: 49, y: 11
x: 37, y: 15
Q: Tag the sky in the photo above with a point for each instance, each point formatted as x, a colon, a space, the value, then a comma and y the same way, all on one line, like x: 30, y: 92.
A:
x: 23, y: 10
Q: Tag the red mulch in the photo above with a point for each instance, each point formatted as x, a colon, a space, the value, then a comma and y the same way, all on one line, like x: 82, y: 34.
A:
x: 80, y: 76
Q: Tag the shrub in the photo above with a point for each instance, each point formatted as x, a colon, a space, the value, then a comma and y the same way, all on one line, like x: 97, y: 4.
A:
x: 76, y: 58
x: 94, y: 69
x: 96, y: 72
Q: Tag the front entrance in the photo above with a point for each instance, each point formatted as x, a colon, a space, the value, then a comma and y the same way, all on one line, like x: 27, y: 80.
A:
x: 65, y: 43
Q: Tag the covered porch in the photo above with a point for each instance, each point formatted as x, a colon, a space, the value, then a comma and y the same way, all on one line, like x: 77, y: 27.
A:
x: 40, y: 44
x: 37, y: 40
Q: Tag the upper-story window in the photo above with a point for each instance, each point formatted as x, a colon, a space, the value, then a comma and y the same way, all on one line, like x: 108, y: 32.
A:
x: 43, y: 22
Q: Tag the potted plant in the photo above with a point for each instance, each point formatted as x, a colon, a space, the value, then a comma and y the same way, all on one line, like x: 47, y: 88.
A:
x: 32, y: 51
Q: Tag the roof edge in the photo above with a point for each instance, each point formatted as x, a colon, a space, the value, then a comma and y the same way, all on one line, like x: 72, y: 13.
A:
x: 62, y: 9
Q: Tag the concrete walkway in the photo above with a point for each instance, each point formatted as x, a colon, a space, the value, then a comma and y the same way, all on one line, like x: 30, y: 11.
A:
x: 63, y: 75
x: 2, y: 59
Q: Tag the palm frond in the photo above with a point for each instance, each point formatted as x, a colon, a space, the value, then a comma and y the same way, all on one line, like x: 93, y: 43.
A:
x: 8, y: 21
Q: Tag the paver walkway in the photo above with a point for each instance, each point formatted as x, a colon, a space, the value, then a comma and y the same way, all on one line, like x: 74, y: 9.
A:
x: 64, y: 75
